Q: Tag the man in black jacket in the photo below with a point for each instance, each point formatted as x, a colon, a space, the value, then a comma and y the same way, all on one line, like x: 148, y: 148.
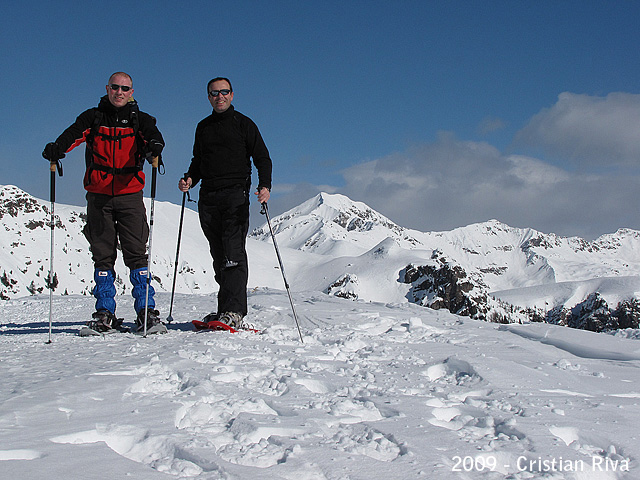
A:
x: 224, y: 143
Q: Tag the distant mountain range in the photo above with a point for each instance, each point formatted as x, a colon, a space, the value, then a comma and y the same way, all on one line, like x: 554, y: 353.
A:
x: 334, y: 245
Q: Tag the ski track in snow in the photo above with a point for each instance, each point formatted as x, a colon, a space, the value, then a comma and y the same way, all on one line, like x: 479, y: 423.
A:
x: 376, y: 391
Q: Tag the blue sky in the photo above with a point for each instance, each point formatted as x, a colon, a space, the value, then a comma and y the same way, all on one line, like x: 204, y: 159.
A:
x: 437, y: 114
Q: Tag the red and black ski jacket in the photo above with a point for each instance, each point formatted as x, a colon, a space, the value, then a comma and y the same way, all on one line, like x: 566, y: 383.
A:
x: 115, y: 146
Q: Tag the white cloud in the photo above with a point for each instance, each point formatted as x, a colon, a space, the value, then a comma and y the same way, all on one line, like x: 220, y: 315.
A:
x: 592, y: 131
x: 452, y: 183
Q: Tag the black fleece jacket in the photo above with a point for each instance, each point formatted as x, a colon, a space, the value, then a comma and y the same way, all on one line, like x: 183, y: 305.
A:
x: 224, y: 144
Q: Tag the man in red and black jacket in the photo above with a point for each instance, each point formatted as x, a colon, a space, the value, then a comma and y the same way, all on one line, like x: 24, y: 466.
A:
x: 118, y: 138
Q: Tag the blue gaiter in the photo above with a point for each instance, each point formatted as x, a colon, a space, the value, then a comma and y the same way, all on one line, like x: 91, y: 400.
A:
x: 138, y: 279
x: 104, y: 290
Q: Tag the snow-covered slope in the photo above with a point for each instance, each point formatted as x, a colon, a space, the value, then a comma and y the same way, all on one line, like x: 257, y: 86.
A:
x: 613, y: 289
x: 376, y: 391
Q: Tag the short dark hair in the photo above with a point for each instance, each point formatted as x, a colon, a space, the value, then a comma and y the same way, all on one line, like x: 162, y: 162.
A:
x: 217, y: 79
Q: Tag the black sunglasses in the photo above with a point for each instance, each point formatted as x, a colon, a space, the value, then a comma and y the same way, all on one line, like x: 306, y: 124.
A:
x: 215, y: 93
x: 115, y: 86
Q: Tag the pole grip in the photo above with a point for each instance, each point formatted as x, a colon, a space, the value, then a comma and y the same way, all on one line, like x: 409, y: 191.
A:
x: 154, y: 176
x: 52, y: 188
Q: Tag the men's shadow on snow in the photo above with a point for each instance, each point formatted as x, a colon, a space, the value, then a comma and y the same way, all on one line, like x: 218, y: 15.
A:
x: 181, y: 326
x: 71, y: 327
x: 39, y: 327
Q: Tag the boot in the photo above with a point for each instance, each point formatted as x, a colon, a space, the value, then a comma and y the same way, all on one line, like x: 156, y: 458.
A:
x: 232, y: 319
x: 104, y: 321
x: 154, y: 324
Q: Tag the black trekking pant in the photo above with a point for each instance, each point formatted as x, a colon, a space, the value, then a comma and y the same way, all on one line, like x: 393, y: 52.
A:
x: 224, y: 218
x: 113, y: 218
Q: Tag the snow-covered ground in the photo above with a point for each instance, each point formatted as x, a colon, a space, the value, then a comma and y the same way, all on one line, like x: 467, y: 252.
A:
x: 376, y: 391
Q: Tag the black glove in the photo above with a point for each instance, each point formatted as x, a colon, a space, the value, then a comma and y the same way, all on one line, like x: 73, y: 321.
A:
x: 155, y: 147
x: 52, y: 152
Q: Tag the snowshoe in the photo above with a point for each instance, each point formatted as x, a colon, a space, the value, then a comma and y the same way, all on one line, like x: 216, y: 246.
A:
x: 230, y: 321
x: 103, y: 322
x: 212, y: 325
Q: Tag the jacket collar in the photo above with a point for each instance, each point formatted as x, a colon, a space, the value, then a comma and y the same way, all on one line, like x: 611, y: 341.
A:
x: 221, y: 116
x: 106, y: 106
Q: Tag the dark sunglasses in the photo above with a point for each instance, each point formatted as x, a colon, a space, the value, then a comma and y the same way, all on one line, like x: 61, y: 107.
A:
x: 115, y: 86
x: 215, y: 93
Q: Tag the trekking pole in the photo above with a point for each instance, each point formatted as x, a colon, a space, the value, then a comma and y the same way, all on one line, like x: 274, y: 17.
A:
x: 175, y: 269
x: 265, y: 211
x: 52, y: 280
x: 154, y: 174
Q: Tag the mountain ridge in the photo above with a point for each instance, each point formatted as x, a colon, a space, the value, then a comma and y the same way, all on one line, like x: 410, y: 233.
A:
x: 334, y: 245
x: 485, y: 246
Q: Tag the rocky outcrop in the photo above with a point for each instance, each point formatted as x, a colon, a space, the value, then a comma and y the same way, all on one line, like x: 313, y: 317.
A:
x: 445, y: 285
x: 594, y: 314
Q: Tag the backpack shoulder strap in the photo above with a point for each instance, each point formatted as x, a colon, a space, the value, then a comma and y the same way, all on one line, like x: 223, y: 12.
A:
x: 95, y: 127
x: 135, y: 124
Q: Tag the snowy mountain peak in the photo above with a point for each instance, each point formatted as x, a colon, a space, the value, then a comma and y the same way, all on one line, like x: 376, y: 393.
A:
x: 340, y: 209
x: 332, y: 224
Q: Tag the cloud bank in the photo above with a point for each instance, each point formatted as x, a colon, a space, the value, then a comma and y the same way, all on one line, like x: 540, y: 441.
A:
x: 451, y: 183
x: 588, y: 131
